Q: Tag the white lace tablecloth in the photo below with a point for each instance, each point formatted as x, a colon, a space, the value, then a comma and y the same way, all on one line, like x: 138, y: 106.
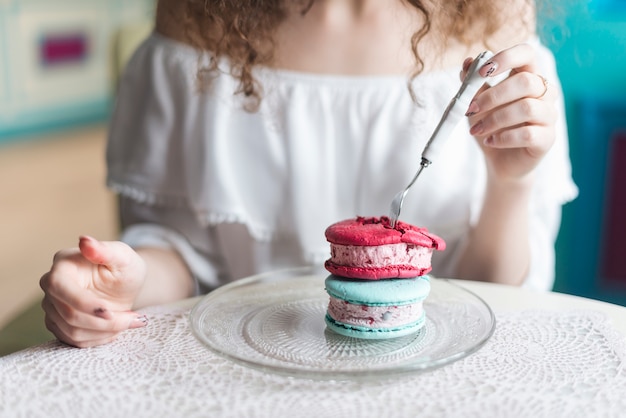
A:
x: 538, y: 363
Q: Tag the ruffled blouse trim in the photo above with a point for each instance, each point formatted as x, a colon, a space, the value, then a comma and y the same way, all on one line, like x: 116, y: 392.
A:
x: 145, y: 197
x: 257, y: 231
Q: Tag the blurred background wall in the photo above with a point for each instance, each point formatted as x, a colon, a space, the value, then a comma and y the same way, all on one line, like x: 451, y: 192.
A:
x: 55, y: 60
x: 58, y: 65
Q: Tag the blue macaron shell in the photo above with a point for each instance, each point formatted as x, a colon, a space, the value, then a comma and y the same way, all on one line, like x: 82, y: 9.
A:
x: 378, y: 292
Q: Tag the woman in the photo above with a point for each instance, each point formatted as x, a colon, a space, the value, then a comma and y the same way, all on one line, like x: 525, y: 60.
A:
x: 242, y: 130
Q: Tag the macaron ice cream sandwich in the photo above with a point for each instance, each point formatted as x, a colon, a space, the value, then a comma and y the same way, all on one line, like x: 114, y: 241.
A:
x: 378, y: 277
x: 369, y: 248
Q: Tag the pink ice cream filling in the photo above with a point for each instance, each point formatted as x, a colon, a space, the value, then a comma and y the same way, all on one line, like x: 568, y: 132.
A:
x: 374, y: 316
x: 381, y: 255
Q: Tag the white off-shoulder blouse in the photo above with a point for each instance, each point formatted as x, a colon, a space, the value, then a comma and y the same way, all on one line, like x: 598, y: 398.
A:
x: 238, y: 193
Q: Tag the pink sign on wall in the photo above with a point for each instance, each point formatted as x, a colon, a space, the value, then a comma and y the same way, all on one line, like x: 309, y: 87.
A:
x: 68, y: 48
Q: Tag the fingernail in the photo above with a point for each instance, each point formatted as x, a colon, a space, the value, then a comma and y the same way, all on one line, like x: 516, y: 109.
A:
x: 477, y: 128
x: 489, y: 68
x: 466, y: 63
x: 138, y: 322
x: 86, y: 238
x: 102, y: 313
x: 473, y: 109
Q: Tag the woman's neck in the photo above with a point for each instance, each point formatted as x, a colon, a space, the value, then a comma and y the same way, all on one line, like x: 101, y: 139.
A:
x: 352, y: 37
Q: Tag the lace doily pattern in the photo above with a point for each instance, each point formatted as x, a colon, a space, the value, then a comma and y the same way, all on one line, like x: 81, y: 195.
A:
x: 537, y: 363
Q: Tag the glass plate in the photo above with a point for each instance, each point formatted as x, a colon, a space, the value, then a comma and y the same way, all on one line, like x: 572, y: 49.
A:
x: 275, y: 322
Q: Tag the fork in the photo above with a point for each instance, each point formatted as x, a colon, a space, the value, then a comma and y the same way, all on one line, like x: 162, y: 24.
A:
x: 452, y: 115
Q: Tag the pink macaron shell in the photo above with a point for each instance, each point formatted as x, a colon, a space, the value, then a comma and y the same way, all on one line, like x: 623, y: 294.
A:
x: 372, y: 231
x: 375, y: 273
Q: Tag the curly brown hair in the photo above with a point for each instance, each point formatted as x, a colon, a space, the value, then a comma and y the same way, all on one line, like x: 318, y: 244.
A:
x: 243, y: 30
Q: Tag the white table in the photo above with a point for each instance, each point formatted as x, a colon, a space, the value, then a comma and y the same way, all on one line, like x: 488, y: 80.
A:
x: 511, y: 299
x: 550, y: 355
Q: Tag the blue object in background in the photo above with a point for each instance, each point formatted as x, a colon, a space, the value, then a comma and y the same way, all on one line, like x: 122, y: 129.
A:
x: 589, y: 43
x: 584, y: 239
x: 609, y: 7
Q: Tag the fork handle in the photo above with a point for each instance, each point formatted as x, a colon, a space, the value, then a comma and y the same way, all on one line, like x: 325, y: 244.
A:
x: 458, y: 105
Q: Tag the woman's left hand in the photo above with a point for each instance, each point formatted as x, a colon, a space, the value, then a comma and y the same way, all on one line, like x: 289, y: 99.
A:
x: 513, y: 121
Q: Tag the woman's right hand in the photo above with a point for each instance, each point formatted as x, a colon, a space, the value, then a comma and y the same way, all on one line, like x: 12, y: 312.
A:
x: 90, y: 290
